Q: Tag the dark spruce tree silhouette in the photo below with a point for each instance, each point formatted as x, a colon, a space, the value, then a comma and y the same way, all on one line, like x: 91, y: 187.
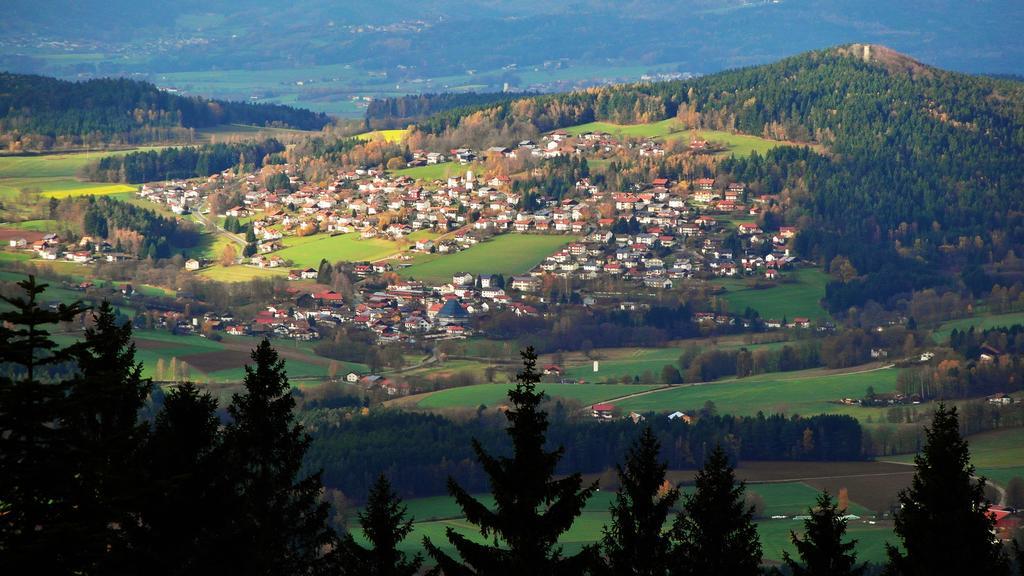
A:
x: 715, y: 534
x: 385, y: 525
x: 821, y: 549
x: 636, y: 542
x: 532, y: 508
x: 279, y: 523
x: 944, y: 521
x: 100, y: 420
x: 36, y: 480
x: 186, y: 509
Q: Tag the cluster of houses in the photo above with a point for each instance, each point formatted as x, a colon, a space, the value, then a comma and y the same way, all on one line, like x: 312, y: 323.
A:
x: 49, y: 246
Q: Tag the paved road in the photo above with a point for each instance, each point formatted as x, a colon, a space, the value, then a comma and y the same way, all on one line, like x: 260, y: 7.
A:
x: 206, y: 223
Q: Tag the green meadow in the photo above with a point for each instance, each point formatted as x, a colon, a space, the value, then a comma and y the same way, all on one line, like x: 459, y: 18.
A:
x: 308, y: 251
x: 615, y: 363
x: 806, y: 392
x: 507, y: 254
x: 434, y: 515
x: 497, y: 394
x: 941, y: 334
x: 439, y: 171
x: 799, y: 298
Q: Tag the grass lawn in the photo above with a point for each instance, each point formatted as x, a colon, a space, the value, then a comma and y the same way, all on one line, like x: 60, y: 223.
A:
x: 507, y: 254
x: 805, y: 392
x: 941, y: 334
x: 307, y: 251
x: 737, y: 144
x: 784, y: 300
x: 496, y: 394
x: 434, y: 515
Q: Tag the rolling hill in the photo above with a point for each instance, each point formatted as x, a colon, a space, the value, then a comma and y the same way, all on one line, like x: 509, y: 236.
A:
x: 40, y: 113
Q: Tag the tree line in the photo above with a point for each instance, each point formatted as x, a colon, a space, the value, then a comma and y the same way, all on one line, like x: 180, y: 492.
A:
x: 128, y: 228
x: 400, y: 111
x: 38, y: 112
x: 180, y: 162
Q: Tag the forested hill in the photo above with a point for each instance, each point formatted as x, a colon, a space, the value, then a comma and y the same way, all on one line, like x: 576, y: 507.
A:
x: 921, y: 174
x: 40, y: 113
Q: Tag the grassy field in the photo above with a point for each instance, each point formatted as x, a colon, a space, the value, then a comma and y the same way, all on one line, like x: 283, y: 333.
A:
x: 307, y: 251
x: 507, y: 254
x: 736, y: 144
x: 496, y: 394
x: 240, y: 273
x: 439, y: 171
x: 223, y: 361
x: 434, y: 515
x: 614, y: 363
x: 805, y: 392
x: 941, y: 334
x: 785, y: 300
x: 998, y: 454
x: 387, y: 135
x: 52, y: 175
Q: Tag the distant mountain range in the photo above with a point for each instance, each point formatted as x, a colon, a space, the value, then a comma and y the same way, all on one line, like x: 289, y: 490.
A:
x: 410, y: 40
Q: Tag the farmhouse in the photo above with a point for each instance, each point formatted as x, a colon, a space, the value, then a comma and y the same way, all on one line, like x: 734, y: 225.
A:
x: 603, y: 412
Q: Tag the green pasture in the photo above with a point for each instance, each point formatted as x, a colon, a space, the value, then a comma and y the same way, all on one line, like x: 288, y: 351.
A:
x: 806, y: 392
x: 53, y: 175
x: 438, y: 171
x: 507, y: 254
x: 435, y: 514
x: 34, y: 225
x: 497, y: 394
x: 998, y: 454
x: 615, y: 363
x: 785, y: 300
x: 308, y: 251
x: 941, y: 334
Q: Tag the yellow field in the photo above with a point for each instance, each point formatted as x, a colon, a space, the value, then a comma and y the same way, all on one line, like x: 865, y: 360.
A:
x: 387, y: 135
x: 239, y: 273
x: 91, y: 189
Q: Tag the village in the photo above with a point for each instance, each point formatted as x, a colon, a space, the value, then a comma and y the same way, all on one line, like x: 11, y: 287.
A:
x: 654, y: 237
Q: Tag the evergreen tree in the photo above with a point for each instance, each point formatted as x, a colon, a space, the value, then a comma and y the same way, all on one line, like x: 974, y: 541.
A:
x: 186, y: 508
x: 385, y: 525
x: 943, y: 519
x: 35, y: 474
x: 280, y: 524
x: 532, y: 508
x: 715, y: 534
x: 100, y: 419
x: 636, y: 542
x: 821, y: 549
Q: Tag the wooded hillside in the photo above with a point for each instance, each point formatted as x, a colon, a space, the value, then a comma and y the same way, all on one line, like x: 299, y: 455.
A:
x: 41, y: 113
